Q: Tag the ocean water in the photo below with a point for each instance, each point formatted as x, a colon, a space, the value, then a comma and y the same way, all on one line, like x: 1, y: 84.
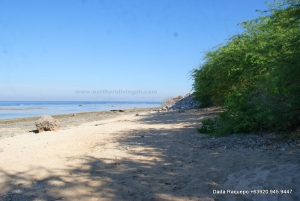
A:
x: 21, y: 109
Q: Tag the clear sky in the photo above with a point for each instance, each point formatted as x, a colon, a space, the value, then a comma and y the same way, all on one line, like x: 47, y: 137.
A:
x: 51, y: 48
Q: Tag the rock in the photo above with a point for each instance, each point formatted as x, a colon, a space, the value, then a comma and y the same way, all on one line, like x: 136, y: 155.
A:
x: 117, y: 110
x: 181, y: 111
x: 47, y: 123
x: 178, y: 98
x: 165, y: 108
x: 187, y: 102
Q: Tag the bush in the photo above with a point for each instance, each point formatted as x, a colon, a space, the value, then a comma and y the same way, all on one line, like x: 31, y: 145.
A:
x: 255, y: 76
x: 208, y: 126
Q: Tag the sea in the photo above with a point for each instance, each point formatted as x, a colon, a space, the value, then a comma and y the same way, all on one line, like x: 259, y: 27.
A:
x: 21, y: 109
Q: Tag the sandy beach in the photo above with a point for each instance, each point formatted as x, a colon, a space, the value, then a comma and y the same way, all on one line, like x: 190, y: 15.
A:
x: 150, y: 156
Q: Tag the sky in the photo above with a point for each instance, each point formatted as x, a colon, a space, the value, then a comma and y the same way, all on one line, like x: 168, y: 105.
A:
x: 110, y: 50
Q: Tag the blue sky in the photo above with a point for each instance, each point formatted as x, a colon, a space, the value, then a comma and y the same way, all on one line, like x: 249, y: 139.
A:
x: 51, y: 48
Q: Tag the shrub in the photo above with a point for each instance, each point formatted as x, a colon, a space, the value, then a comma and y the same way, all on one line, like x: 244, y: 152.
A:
x: 208, y: 126
x: 255, y: 76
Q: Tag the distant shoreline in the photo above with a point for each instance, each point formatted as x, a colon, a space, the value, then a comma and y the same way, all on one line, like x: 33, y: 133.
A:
x: 29, y: 108
x: 26, y: 119
x: 16, y: 110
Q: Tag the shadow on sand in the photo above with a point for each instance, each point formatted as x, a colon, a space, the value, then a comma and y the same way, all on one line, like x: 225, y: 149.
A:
x: 165, y: 164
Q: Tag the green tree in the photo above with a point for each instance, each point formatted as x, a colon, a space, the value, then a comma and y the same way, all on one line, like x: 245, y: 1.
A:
x: 255, y: 76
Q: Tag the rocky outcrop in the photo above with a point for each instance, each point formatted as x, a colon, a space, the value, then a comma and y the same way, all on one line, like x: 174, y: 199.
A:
x: 47, y: 123
x: 178, y: 98
x: 187, y: 102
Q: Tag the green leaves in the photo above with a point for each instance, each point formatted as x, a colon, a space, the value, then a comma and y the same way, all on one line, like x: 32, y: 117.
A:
x: 208, y: 126
x: 256, y: 74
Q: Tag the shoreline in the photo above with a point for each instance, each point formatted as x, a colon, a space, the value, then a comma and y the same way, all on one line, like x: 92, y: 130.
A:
x: 17, y: 126
x: 12, y: 120
x: 51, y: 108
x: 32, y: 108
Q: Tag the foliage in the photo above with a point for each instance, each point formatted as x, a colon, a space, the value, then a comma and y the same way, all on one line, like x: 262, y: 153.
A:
x: 255, y: 76
x: 208, y: 126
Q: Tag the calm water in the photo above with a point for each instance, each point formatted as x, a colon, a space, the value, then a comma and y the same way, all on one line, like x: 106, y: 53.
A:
x: 20, y: 109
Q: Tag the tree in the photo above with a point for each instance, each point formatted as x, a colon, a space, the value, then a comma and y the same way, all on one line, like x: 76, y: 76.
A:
x: 255, y: 76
